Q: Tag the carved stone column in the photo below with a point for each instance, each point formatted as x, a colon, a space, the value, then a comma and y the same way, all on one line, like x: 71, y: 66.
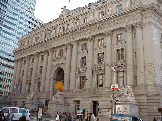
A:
x: 49, y: 68
x: 140, y: 89
x: 73, y: 66
x: 108, y: 54
x: 140, y: 55
x: 25, y: 74
x: 18, y: 71
x: 67, y: 67
x: 89, y: 63
x: 34, y: 72
x: 14, y: 77
x: 129, y: 58
x: 44, y: 72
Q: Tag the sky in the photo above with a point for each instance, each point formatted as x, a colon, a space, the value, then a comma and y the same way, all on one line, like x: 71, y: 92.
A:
x: 47, y: 10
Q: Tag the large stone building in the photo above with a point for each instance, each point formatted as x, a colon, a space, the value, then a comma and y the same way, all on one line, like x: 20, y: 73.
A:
x: 77, y: 48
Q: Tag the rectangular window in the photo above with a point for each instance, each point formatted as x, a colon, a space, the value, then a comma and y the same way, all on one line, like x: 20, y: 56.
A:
x: 82, y: 81
x: 100, y: 42
x: 119, y: 7
x: 36, y: 38
x: 100, y: 80
x: 31, y: 71
x: 120, y: 37
x: 24, y: 62
x: 77, y: 106
x: 100, y: 58
x: 40, y: 69
x: 61, y: 52
x: 32, y: 60
x: 120, y: 78
x: 22, y: 73
x: 42, y: 57
x: 83, y: 61
x: 84, y: 46
x: 120, y: 54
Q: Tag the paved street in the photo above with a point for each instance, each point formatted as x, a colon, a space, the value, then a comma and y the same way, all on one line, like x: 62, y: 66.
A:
x: 34, y: 118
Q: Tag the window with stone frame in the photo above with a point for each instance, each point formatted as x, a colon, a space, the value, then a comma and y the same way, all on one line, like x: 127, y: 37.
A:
x: 83, y: 61
x: 22, y: 73
x: 100, y: 42
x: 61, y: 52
x: 82, y: 81
x: 120, y: 54
x: 36, y: 39
x: 120, y: 78
x: 119, y: 8
x: 84, y: 46
x: 55, y: 53
x: 40, y: 70
x: 120, y: 37
x: 24, y: 62
x: 63, y: 28
x: 32, y: 60
x: 100, y: 58
x: 42, y: 57
x: 85, y: 20
x: 100, y: 80
x: 31, y: 71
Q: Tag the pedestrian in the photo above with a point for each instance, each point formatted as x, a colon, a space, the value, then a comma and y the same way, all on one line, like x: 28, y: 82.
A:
x: 93, y: 117
x: 67, y: 118
x: 154, y: 119
x: 57, y: 116
x: 158, y: 119
x: 10, y: 116
x: 23, y: 117
x: 2, y: 117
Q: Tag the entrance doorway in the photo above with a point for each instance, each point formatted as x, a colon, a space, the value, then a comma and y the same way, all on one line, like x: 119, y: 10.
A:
x: 58, y: 76
x: 95, y: 108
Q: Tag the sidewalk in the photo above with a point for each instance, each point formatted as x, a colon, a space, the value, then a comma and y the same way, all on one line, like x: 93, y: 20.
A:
x: 34, y: 118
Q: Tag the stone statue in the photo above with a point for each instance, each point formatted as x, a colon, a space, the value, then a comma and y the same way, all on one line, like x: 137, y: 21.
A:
x: 58, y: 97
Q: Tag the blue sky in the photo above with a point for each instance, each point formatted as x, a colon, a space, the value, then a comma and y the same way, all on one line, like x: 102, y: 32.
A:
x: 47, y: 10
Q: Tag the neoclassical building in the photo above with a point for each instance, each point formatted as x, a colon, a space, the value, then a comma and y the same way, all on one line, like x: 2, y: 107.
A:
x: 76, y: 50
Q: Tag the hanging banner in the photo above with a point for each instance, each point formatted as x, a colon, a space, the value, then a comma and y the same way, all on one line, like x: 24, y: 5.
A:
x: 59, y: 86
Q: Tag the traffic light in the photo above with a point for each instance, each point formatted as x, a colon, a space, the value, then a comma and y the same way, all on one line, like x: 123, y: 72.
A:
x: 159, y: 109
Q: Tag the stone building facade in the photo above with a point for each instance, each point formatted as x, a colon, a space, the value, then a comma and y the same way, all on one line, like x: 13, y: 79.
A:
x: 125, y: 34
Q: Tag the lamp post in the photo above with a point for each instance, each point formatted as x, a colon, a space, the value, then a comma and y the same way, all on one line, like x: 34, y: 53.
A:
x: 113, y: 101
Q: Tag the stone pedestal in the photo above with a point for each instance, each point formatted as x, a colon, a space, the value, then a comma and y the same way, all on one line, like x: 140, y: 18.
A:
x: 57, y: 103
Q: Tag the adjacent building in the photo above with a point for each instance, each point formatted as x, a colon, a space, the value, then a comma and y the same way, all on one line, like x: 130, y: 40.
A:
x: 77, y: 50
x: 16, y: 20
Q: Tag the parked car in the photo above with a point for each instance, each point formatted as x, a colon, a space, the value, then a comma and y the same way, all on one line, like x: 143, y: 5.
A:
x: 124, y: 117
x: 17, y: 112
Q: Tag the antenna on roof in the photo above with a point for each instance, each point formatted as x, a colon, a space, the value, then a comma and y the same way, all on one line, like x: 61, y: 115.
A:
x: 69, y: 1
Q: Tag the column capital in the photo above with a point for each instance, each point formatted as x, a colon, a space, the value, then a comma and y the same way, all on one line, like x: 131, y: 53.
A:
x: 108, y: 33
x: 36, y: 54
x: 68, y: 46
x: 28, y: 57
x: 74, y: 42
x: 50, y: 50
x: 91, y: 38
x: 129, y: 28
x: 138, y: 25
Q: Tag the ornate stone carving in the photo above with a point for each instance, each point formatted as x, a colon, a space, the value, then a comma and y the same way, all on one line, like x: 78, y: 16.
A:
x: 80, y: 71
x: 32, y: 97
x: 58, y: 97
x: 98, y: 68
x: 127, y: 93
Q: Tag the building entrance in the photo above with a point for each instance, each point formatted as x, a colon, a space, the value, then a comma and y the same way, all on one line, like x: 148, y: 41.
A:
x: 95, y: 108
x: 58, y: 77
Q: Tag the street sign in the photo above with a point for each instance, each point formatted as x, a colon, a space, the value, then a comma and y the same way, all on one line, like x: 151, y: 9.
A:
x: 116, y: 86
x: 159, y: 109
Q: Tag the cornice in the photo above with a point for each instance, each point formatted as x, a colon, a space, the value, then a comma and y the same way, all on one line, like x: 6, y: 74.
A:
x: 110, y: 22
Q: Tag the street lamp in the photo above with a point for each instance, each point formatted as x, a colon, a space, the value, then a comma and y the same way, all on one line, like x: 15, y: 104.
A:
x: 113, y: 69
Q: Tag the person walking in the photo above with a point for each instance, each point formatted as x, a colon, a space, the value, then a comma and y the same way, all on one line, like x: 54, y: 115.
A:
x: 158, y: 119
x: 10, y: 116
x: 154, y: 119
x: 23, y: 117
x: 57, y: 116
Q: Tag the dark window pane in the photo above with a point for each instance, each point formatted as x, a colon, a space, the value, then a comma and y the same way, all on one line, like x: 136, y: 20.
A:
x: 14, y: 110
